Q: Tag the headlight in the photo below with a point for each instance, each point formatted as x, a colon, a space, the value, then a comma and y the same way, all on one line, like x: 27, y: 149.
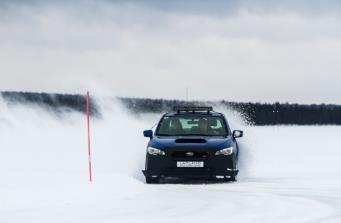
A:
x: 226, y: 151
x: 153, y: 151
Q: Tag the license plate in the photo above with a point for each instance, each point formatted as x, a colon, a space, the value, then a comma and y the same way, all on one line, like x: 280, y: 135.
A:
x: 190, y: 164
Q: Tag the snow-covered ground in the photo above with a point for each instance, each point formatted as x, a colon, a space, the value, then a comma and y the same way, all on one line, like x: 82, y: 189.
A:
x: 288, y: 173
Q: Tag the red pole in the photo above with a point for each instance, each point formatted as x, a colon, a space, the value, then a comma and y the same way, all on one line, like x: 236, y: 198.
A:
x: 88, y: 125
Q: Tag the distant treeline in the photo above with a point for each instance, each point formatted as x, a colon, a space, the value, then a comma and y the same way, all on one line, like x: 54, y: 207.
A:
x: 53, y: 102
x: 254, y: 113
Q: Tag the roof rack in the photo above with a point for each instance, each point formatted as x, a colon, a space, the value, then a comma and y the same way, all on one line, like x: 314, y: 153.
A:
x: 193, y: 109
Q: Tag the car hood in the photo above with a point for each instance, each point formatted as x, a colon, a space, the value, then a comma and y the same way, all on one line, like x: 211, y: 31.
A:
x: 190, y: 142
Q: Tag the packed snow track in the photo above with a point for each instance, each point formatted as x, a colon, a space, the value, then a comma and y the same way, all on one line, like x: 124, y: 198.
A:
x: 288, y: 173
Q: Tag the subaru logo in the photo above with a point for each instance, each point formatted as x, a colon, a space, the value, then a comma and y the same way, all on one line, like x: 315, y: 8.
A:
x: 189, y: 154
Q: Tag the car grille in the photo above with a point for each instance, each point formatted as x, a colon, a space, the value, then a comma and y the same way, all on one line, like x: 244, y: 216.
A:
x: 190, y: 155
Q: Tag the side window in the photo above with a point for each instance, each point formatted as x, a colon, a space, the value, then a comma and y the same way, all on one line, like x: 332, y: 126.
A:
x: 164, y: 125
x: 218, y: 125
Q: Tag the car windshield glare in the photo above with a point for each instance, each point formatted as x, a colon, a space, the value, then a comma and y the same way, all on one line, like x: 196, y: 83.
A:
x: 192, y: 125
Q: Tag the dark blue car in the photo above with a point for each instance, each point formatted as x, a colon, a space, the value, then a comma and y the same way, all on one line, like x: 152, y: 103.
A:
x: 192, y: 142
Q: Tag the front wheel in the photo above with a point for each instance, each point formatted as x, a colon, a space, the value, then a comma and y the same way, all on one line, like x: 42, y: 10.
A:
x: 152, y: 180
x: 231, y: 178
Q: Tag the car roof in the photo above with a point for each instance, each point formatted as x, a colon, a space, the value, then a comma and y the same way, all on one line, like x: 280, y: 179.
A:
x: 211, y: 113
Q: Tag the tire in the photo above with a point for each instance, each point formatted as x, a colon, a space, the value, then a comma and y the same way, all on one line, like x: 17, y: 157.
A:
x: 152, y: 180
x: 231, y: 178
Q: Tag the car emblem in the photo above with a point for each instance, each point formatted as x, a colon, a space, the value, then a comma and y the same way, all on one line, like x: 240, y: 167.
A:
x: 189, y: 154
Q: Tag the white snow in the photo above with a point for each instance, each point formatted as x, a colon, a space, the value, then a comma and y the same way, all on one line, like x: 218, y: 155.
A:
x: 288, y: 173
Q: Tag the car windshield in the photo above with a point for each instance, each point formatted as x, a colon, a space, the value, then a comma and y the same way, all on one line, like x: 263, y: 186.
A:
x: 194, y: 124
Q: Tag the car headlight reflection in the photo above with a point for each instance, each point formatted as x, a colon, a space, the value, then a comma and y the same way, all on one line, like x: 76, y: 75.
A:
x: 226, y: 151
x: 154, y: 151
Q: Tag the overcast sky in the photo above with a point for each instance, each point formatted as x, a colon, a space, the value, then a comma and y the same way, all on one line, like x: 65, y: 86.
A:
x: 233, y: 50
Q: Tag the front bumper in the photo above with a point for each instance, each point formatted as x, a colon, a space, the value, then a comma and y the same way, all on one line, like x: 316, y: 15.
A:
x: 166, y: 166
x: 190, y: 172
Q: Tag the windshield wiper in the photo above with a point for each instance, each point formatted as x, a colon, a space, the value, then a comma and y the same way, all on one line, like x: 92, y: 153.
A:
x: 201, y: 135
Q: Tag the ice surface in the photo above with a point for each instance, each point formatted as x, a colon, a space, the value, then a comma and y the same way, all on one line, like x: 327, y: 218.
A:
x: 288, y: 173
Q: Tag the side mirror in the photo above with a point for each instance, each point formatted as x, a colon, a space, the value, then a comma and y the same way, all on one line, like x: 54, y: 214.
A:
x: 237, y: 133
x: 148, y: 133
